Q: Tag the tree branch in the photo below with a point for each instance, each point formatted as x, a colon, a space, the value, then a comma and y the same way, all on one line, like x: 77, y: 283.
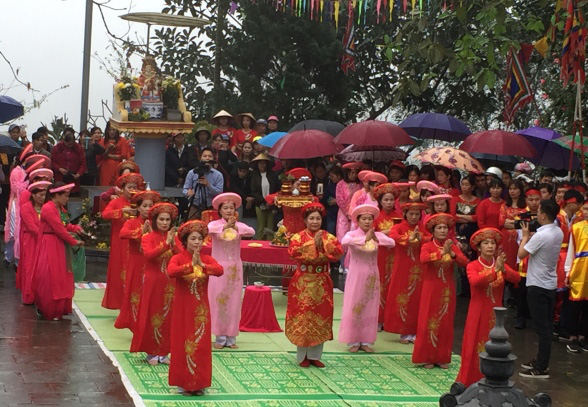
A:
x: 15, y: 74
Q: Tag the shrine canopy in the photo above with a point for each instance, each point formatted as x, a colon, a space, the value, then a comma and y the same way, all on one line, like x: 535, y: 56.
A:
x: 165, y: 19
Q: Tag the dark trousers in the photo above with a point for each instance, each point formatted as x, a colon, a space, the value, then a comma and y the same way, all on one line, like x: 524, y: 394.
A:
x: 541, y: 305
x: 578, y: 323
x: 521, y: 299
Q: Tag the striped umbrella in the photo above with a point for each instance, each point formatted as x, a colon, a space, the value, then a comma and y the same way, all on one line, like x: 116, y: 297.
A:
x: 567, y: 141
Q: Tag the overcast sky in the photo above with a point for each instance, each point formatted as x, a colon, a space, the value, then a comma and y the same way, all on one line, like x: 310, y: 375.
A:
x: 44, y: 40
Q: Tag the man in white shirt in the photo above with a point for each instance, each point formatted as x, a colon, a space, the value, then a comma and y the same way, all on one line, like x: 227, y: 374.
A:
x: 543, y: 251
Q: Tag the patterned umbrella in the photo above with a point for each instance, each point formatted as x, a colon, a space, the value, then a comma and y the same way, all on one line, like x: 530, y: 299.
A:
x: 451, y: 158
x: 375, y: 153
x: 435, y: 126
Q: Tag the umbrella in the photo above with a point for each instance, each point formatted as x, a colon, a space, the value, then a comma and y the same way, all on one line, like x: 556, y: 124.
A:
x: 498, y: 142
x: 9, y: 109
x: 374, y: 153
x: 451, y: 158
x: 272, y: 138
x: 333, y: 128
x: 567, y: 141
x: 493, y: 160
x: 550, y: 155
x: 8, y: 145
x: 435, y: 126
x: 304, y: 144
x: 374, y: 133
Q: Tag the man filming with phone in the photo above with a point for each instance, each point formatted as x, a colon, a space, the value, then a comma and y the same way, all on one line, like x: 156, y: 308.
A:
x: 543, y: 250
x: 202, y: 184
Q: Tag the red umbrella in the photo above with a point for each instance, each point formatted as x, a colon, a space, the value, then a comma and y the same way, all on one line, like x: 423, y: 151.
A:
x: 304, y: 144
x: 374, y: 133
x: 498, y: 142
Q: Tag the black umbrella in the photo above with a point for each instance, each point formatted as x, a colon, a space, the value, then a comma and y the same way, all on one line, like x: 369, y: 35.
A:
x: 333, y: 128
x: 492, y: 160
x: 9, y: 109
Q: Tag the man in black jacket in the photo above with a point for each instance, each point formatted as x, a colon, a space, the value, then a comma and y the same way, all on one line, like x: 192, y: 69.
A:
x: 240, y: 183
x: 179, y: 159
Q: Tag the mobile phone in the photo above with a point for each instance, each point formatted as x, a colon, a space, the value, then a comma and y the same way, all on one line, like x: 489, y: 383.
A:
x: 319, y: 189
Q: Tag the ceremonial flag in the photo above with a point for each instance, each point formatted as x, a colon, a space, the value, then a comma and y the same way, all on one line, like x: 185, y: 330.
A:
x: 573, y: 53
x: 517, y: 92
x: 348, y: 61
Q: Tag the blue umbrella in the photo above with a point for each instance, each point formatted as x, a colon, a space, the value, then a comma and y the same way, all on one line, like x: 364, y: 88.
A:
x: 9, y: 109
x: 272, y: 138
x: 550, y: 155
x: 435, y: 126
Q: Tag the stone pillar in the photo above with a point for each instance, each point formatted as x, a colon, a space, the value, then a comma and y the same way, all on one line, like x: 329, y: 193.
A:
x: 150, y: 156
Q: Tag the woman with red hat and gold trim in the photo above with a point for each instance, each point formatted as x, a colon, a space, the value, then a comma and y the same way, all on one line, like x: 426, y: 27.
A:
x: 133, y: 230
x: 361, y: 300
x: 53, y: 280
x: 440, y: 204
x: 191, y: 351
x: 487, y: 275
x: 309, y: 316
x: 152, y: 332
x: 385, y: 194
x: 124, y: 168
x: 404, y: 294
x: 225, y: 292
x: 434, y: 337
x: 118, y: 212
x: 403, y: 196
x: 30, y: 213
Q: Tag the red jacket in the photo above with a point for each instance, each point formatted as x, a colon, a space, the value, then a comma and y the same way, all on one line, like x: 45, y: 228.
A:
x: 72, y: 159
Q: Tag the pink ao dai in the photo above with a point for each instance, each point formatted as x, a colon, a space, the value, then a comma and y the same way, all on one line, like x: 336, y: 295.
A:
x: 361, y: 299
x: 224, y: 292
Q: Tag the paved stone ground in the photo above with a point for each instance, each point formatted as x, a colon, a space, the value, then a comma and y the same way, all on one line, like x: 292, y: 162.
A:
x: 59, y: 364
x: 51, y: 363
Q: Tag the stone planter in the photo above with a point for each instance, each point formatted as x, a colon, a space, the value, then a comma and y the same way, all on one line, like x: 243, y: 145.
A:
x: 174, y: 115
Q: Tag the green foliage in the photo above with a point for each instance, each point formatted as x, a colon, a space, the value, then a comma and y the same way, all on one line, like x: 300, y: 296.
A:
x: 56, y: 127
x: 448, y: 61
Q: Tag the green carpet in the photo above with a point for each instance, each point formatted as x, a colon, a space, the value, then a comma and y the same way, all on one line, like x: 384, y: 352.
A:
x: 264, y: 372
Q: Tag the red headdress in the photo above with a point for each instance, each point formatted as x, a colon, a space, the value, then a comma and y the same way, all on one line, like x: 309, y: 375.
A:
x: 440, y: 219
x: 313, y: 207
x: 144, y: 195
x: 130, y: 179
x: 192, y: 226
x: 127, y: 165
x: 386, y: 188
x: 164, y: 207
x: 483, y: 234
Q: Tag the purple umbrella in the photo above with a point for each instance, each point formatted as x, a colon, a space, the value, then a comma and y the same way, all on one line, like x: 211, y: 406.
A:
x: 435, y: 126
x: 550, y: 155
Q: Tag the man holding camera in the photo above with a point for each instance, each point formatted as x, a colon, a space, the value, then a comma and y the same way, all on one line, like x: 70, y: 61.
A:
x: 203, y: 183
x: 543, y: 250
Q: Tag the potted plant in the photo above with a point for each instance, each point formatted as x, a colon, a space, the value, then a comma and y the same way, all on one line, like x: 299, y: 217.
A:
x: 127, y: 89
x: 171, y: 97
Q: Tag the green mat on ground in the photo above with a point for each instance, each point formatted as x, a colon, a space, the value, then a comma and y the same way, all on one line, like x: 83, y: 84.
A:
x: 264, y: 372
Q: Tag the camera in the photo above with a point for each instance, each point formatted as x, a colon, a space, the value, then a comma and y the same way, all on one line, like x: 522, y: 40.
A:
x: 202, y: 168
x: 530, y: 218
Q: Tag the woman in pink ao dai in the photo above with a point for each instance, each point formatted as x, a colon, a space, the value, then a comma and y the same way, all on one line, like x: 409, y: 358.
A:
x: 361, y: 300
x: 224, y: 292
